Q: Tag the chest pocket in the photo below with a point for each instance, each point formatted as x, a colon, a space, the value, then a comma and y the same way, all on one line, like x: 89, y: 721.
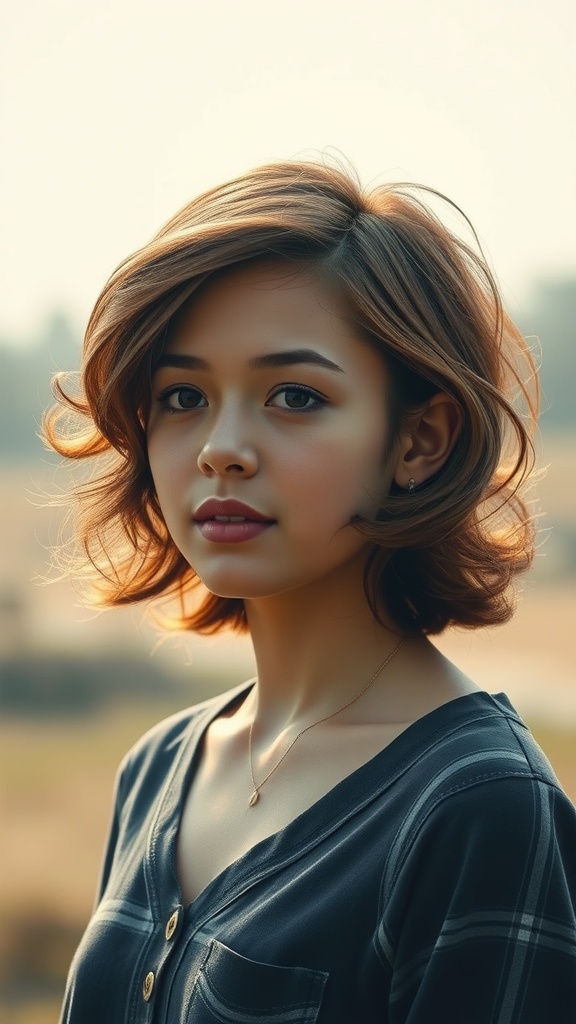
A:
x: 229, y: 989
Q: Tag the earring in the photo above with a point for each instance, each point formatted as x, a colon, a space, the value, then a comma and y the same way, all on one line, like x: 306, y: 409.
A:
x: 411, y: 485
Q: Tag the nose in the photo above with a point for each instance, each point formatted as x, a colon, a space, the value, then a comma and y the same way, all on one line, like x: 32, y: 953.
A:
x: 227, y: 449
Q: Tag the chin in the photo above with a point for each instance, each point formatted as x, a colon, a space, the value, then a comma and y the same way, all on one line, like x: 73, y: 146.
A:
x: 242, y: 590
x: 248, y: 588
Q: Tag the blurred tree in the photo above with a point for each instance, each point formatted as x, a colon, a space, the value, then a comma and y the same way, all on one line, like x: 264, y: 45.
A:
x: 552, y: 318
x: 25, y: 375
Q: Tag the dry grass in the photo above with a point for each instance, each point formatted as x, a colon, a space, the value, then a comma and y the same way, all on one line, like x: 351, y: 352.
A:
x: 31, y: 1011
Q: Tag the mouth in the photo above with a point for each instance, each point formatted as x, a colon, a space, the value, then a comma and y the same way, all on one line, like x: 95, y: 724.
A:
x: 227, y: 510
x: 232, y: 519
x: 225, y: 521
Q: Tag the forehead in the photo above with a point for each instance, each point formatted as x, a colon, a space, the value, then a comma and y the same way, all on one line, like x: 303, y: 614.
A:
x: 265, y: 302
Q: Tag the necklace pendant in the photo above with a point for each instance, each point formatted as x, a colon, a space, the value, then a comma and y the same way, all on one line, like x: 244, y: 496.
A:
x: 254, y: 798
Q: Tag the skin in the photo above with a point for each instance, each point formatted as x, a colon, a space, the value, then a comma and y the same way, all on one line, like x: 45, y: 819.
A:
x: 274, y: 449
x: 308, y: 446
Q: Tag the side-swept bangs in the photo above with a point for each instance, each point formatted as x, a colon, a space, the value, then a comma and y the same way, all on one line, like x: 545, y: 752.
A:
x: 422, y: 296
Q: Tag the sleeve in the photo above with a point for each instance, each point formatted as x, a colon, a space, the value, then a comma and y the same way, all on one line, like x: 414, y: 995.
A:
x: 480, y: 925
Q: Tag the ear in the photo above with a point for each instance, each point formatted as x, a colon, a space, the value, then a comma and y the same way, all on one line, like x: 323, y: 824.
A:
x: 427, y: 440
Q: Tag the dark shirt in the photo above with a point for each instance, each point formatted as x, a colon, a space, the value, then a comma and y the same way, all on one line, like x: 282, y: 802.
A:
x: 434, y: 885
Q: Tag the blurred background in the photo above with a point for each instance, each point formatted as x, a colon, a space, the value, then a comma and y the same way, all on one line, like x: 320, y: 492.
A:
x: 112, y: 116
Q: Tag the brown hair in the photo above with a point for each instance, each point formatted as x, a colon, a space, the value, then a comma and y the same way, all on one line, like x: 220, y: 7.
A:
x: 445, y: 554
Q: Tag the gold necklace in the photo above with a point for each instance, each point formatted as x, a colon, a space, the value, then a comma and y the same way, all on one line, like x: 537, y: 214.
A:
x: 256, y: 788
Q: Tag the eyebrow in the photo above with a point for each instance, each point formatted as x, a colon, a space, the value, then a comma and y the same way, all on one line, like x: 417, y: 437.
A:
x: 271, y: 360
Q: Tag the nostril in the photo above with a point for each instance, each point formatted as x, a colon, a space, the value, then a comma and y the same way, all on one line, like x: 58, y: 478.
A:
x: 222, y: 461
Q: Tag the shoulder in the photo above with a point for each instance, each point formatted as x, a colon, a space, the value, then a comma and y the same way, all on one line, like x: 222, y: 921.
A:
x: 489, y: 766
x: 488, y: 834
x: 475, y: 779
x: 478, y: 738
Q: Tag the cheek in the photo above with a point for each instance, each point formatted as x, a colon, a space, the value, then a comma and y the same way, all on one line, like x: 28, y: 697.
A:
x: 348, y: 474
x: 170, y: 460
x: 169, y: 494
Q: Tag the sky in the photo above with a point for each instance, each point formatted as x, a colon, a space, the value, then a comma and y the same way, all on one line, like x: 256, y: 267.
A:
x: 114, y: 113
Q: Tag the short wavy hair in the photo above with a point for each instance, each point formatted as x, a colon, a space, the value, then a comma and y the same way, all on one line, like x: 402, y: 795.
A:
x: 445, y: 554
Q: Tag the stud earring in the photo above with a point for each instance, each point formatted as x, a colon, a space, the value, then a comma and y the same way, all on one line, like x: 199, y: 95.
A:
x: 411, y: 485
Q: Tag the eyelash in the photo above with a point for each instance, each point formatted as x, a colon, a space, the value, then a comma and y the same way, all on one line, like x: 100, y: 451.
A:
x: 300, y: 389
x: 317, y: 399
x: 168, y: 393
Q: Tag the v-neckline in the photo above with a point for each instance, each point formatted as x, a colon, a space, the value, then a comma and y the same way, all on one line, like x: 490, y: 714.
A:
x: 346, y: 798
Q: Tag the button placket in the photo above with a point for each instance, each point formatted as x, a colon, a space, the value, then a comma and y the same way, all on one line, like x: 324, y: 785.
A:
x: 170, y: 930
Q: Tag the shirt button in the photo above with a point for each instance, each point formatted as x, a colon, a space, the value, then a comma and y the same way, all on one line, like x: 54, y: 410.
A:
x: 148, y: 986
x: 171, y: 925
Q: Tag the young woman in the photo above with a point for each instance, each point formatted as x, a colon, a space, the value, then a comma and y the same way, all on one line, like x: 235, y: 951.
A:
x: 301, y: 400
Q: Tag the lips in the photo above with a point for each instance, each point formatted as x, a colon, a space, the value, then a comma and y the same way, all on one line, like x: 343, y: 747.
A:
x: 225, y: 521
x: 227, y: 510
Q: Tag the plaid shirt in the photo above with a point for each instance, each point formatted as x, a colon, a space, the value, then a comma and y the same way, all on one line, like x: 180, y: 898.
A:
x: 434, y: 885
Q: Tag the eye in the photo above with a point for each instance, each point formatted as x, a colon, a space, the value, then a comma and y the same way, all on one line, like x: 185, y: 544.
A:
x: 182, y: 398
x: 296, y: 398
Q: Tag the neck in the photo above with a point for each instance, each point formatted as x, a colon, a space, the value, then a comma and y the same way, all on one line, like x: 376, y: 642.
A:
x: 314, y: 651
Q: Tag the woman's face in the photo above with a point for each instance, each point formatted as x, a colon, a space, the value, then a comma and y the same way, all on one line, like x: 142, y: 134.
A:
x: 268, y: 432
